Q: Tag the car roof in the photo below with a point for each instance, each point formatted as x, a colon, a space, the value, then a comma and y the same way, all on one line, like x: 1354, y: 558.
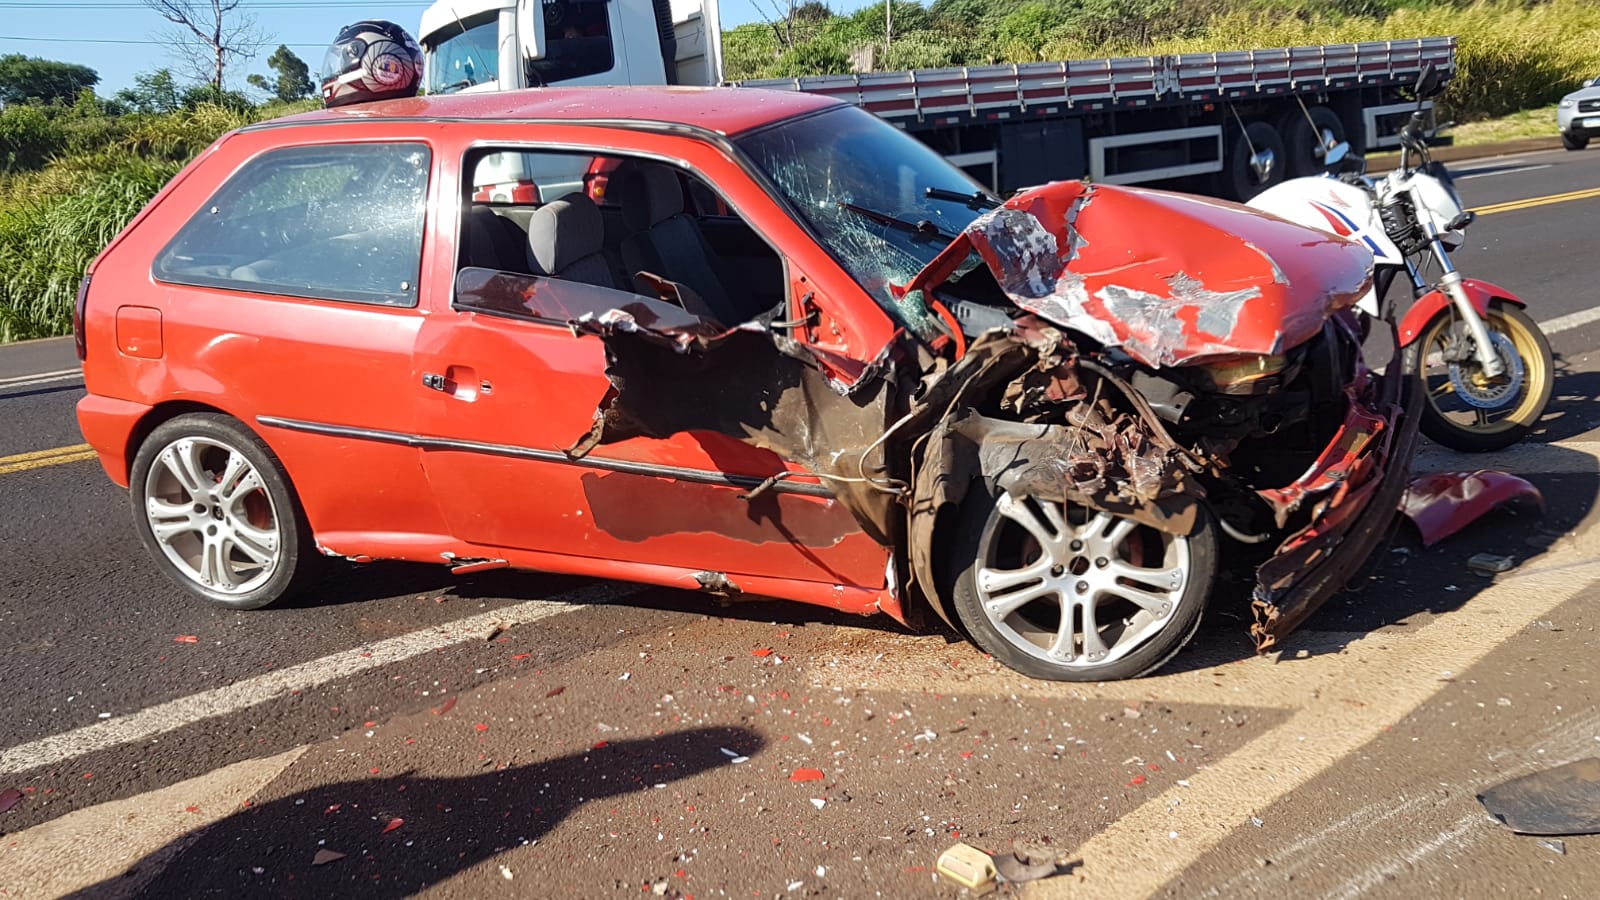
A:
x: 725, y: 110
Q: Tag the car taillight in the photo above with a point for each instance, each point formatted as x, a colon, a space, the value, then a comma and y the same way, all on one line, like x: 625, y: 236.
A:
x: 77, y: 319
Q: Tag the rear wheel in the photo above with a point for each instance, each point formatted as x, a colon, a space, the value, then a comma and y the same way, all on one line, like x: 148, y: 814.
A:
x: 1574, y: 141
x: 213, y: 506
x: 1062, y: 592
x: 1469, y: 411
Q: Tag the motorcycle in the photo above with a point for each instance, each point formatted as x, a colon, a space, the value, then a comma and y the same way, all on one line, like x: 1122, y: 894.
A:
x: 1487, y: 368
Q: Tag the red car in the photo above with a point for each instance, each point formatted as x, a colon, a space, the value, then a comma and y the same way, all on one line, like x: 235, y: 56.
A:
x: 794, y: 354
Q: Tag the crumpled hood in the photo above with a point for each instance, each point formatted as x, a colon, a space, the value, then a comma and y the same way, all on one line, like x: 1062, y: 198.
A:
x: 1170, y: 278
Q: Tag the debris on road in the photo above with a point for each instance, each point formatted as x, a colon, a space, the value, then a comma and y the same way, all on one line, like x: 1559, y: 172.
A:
x: 806, y: 775
x: 1562, y: 800
x: 393, y: 824
x: 324, y: 857
x: 1557, y: 847
x: 186, y: 639
x: 969, y: 867
x: 9, y: 798
x: 1490, y: 563
x: 1443, y: 503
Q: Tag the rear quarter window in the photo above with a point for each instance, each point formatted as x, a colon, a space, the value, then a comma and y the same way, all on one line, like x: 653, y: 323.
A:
x: 337, y: 222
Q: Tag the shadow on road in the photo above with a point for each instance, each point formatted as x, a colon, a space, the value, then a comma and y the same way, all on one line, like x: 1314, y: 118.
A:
x: 449, y: 824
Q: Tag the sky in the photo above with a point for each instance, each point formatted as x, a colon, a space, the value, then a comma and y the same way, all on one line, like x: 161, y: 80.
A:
x: 119, y: 38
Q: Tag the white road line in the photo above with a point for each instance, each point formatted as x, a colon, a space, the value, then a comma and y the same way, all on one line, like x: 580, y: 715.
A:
x: 98, y: 845
x: 1366, y: 687
x: 1512, y: 171
x: 1570, y: 321
x: 40, y: 378
x: 241, y: 695
x: 1558, y: 458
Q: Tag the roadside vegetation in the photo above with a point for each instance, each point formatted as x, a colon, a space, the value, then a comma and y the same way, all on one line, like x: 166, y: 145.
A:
x: 75, y: 167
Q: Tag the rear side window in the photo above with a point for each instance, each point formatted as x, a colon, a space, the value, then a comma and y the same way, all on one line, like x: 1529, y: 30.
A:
x: 338, y: 222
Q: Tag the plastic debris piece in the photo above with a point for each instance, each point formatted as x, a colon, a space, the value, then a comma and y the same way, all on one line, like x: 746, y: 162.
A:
x: 1443, y: 503
x: 806, y: 775
x: 480, y: 727
x: 822, y: 871
x: 818, y: 802
x: 506, y: 873
x: 393, y: 824
x: 1017, y: 871
x: 969, y: 867
x: 448, y: 705
x: 796, y: 885
x: 186, y: 639
x: 1555, y: 846
x: 1256, y: 821
x: 9, y: 798
x: 728, y: 753
x: 324, y: 857
x: 1490, y: 563
x: 555, y: 691
x: 332, y: 808
x: 1562, y: 800
x: 764, y: 651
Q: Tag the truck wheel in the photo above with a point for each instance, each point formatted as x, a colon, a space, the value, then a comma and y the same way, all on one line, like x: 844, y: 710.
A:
x: 1306, y: 145
x: 1574, y: 141
x: 1240, y: 179
x: 1060, y: 592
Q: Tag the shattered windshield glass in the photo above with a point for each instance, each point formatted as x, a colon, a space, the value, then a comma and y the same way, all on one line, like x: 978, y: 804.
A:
x: 882, y: 202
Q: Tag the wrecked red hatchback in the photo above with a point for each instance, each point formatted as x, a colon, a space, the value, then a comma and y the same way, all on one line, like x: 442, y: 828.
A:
x: 776, y: 347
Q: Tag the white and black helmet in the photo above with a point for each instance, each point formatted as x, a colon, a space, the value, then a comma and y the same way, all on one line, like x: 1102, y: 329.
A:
x: 371, y: 60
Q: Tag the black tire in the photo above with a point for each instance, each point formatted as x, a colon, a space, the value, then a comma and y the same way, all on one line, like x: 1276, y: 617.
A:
x: 985, y: 536
x: 1574, y: 141
x: 261, y: 515
x: 1238, y: 179
x: 1462, y: 428
x: 1303, y: 144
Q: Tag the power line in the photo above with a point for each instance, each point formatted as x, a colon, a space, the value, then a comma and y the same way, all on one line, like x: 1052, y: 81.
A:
x: 78, y: 40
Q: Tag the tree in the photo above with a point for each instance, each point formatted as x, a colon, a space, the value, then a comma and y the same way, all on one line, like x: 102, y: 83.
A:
x: 28, y: 138
x: 29, y: 79
x: 208, y: 35
x: 152, y: 92
x: 294, y: 78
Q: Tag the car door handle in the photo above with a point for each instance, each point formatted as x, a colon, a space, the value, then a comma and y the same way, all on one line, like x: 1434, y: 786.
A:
x: 460, y: 382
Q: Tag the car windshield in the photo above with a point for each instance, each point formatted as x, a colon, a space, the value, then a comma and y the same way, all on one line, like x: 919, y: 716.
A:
x: 883, y: 203
x: 462, y: 55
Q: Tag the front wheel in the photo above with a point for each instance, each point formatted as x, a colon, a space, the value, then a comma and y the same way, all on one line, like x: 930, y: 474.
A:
x: 1469, y: 411
x: 1065, y: 593
x: 1574, y: 141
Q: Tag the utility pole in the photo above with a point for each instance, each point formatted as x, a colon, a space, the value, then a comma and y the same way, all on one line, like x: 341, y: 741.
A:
x: 888, y: 24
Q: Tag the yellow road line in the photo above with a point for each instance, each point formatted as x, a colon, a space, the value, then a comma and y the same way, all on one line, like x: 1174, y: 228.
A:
x: 1531, y: 202
x: 38, y: 459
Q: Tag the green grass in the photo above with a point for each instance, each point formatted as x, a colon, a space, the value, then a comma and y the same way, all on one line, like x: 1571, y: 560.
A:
x: 1527, y: 123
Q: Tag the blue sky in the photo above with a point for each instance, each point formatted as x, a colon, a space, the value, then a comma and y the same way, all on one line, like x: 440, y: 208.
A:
x: 118, y: 38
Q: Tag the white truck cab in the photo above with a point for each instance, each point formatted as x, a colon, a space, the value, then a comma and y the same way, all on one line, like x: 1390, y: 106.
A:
x: 487, y: 45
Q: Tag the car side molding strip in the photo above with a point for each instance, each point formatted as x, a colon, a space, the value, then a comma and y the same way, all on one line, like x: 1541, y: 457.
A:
x: 698, y: 476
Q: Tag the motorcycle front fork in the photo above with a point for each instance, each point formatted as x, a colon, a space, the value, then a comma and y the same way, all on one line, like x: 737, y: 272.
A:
x: 1450, y: 283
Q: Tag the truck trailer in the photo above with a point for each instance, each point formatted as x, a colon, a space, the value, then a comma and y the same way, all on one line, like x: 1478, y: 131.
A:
x: 1229, y: 124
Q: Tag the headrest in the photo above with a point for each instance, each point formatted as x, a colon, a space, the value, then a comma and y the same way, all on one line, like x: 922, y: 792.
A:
x: 564, y: 231
x: 649, y: 194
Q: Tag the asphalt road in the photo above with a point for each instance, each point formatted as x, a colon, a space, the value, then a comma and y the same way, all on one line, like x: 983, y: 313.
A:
x: 546, y: 736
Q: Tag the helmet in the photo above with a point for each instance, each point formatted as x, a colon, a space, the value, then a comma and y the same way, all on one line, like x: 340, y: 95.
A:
x: 370, y: 60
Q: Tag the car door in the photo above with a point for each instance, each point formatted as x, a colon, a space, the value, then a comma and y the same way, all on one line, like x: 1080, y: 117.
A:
x: 506, y: 387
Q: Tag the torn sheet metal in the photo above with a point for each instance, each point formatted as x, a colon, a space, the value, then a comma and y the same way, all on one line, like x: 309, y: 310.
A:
x: 1215, y: 286
x: 741, y: 383
x: 1357, y: 483
x: 1562, y: 800
x: 1443, y: 503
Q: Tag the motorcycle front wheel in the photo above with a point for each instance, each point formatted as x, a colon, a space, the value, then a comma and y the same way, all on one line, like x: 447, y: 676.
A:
x: 1469, y: 411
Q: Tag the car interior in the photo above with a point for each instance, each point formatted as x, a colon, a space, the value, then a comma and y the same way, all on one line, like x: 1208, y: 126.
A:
x: 632, y: 225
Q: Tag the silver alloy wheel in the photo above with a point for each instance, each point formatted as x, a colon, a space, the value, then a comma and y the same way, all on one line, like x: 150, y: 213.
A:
x: 212, y: 515
x: 1086, y: 590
